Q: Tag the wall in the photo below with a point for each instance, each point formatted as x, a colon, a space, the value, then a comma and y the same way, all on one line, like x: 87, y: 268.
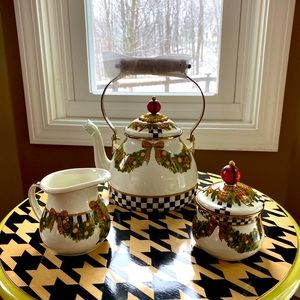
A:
x: 10, y: 176
x: 273, y: 173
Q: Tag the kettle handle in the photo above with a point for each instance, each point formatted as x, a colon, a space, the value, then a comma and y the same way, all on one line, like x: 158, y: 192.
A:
x: 114, y: 137
x: 33, y: 201
x: 192, y: 137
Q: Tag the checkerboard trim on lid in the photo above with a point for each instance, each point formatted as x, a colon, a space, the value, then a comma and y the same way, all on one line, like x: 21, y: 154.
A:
x: 152, y: 204
x: 223, y: 217
x: 155, y: 132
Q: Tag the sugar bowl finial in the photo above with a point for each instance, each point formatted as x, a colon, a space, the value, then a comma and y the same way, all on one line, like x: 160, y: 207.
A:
x: 230, y: 173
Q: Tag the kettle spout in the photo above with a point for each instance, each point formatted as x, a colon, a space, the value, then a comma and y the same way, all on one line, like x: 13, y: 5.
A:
x: 101, y: 160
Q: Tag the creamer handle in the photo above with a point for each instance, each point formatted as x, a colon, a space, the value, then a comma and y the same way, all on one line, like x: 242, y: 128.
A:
x: 33, y: 201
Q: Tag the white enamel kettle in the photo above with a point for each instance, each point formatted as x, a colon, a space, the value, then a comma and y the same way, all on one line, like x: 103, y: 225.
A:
x: 152, y: 169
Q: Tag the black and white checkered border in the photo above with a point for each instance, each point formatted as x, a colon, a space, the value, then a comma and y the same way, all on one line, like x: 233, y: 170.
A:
x: 224, y: 208
x: 156, y: 132
x: 228, y: 219
x: 152, y: 204
x: 72, y: 218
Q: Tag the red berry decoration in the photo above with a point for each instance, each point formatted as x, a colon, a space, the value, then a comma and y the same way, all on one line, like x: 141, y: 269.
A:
x: 230, y: 173
x: 153, y: 106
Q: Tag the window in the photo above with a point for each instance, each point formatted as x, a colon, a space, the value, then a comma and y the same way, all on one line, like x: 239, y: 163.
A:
x: 85, y: 90
x: 245, y: 117
x: 151, y: 28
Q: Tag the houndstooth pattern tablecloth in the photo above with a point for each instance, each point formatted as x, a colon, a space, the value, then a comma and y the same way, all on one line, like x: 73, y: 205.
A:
x: 145, y: 256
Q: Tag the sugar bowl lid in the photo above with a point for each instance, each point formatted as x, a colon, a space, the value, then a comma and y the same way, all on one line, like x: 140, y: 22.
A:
x: 229, y: 196
x: 153, y: 125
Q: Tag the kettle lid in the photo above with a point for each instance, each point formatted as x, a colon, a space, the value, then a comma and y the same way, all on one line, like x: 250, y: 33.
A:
x: 153, y: 125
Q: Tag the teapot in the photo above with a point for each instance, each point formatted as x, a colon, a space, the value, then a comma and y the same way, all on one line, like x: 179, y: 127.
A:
x: 152, y: 169
x: 75, y: 219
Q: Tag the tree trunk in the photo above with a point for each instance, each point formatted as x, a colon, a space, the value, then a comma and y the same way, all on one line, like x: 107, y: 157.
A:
x: 199, y: 47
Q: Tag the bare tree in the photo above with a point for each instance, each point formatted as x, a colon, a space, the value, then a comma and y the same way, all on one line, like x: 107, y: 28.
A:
x: 199, y: 46
x: 158, y: 27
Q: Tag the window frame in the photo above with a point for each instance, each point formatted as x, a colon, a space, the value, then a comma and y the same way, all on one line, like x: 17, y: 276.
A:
x: 254, y: 118
x: 227, y: 69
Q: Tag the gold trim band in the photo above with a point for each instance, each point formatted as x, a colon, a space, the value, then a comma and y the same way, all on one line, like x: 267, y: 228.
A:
x: 158, y: 196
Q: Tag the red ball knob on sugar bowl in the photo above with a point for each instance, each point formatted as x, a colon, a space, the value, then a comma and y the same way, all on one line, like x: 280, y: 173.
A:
x: 230, y: 173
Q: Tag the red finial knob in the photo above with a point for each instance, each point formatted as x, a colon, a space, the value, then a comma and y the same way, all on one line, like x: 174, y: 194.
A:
x: 230, y: 173
x: 153, y: 106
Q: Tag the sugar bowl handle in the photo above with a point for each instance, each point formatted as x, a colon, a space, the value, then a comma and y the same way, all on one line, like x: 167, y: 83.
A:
x: 33, y: 201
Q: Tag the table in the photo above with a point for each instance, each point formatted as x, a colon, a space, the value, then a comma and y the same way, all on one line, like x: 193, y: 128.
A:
x: 148, y: 256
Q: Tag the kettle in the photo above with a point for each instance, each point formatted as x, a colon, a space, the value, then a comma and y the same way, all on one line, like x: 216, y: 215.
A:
x: 152, y: 169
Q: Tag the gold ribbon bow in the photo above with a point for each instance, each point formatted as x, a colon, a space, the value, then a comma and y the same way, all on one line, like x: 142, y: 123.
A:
x: 158, y: 147
x: 59, y: 217
x: 148, y: 145
x: 223, y: 227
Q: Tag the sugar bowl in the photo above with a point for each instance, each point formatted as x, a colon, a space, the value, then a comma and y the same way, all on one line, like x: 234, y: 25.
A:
x: 228, y: 223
